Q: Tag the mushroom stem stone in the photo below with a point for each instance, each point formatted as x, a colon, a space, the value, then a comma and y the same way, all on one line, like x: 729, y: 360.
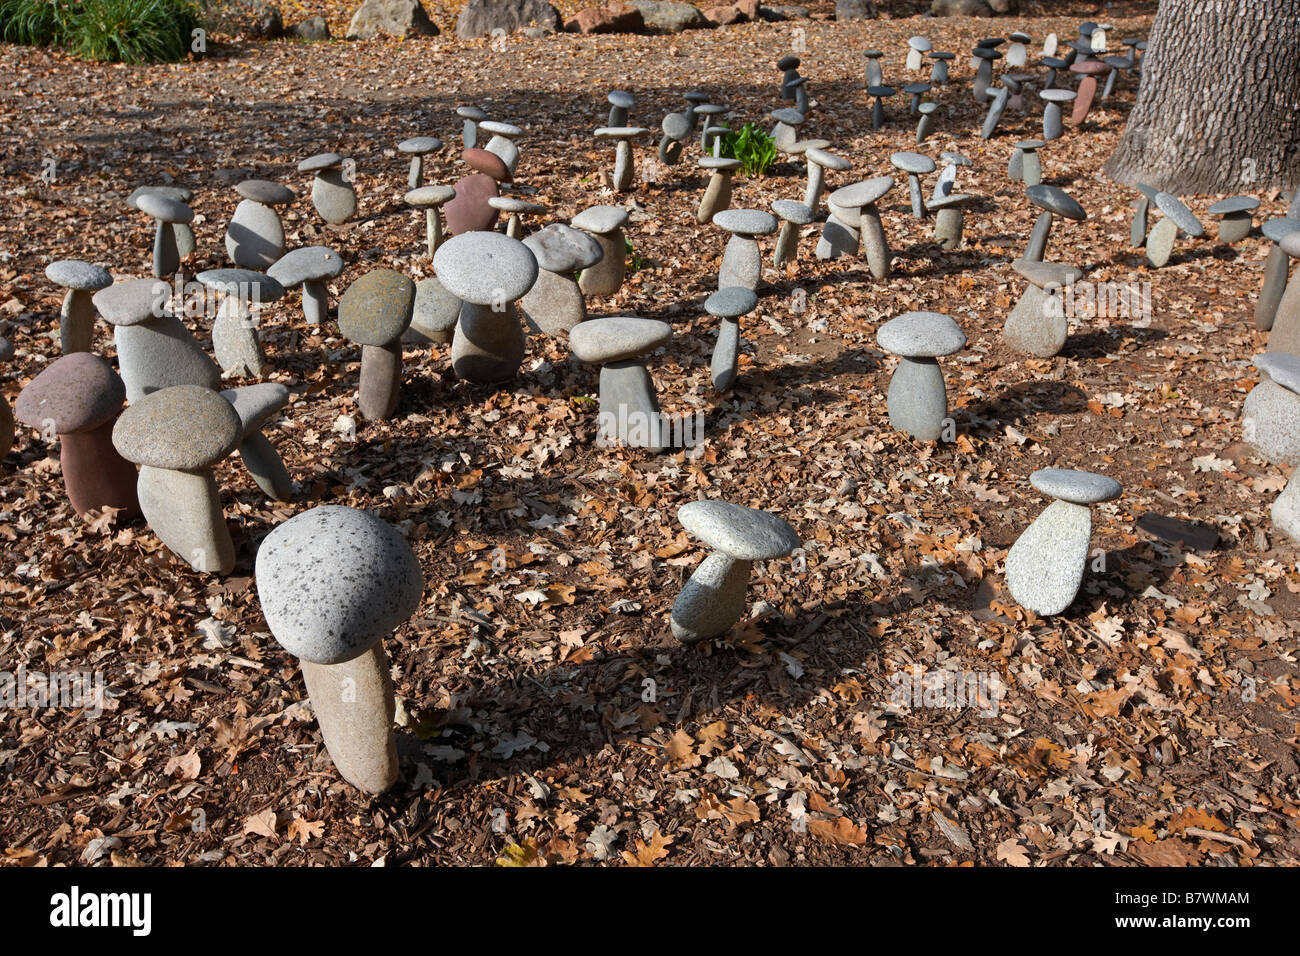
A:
x: 1038, y: 324
x: 918, y: 399
x: 1285, y: 334
x: 255, y: 404
x: 177, y: 435
x: 818, y: 162
x: 1054, y: 202
x: 1236, y: 217
x: 915, y: 165
x: 855, y: 220
x: 1276, y: 269
x: 77, y: 317
x: 430, y: 198
x: 676, y: 128
x: 417, y: 148
x: 234, y: 331
x: 624, y: 170
x: 948, y: 221
x: 471, y: 116
x: 717, y: 195
x: 516, y: 208
x: 309, y: 267
x: 1053, y: 125
x: 793, y: 215
x: 332, y: 192
x: 619, y: 103
x: 333, y: 582
x: 183, y: 234
x: 925, y: 125
x: 939, y: 71
x: 713, y: 599
x: 629, y: 412
x: 728, y: 304
x: 255, y: 236
x: 1045, y: 566
x: 605, y: 224
x: 742, y: 262
x: 78, y: 398
x: 873, y: 74
x: 167, y: 213
x: 374, y: 312
x: 555, y: 303
x: 1160, y: 242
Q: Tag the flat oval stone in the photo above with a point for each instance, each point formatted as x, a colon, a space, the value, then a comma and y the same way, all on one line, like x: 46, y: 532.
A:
x: 986, y: 53
x: 419, y: 145
x: 164, y: 209
x: 1282, y: 367
x: 913, y: 89
x: 377, y: 308
x: 788, y: 116
x: 940, y: 55
x: 921, y: 335
x: 710, y: 109
x: 873, y: 54
x: 430, y: 196
x: 513, y: 204
x: 620, y: 132
x: 248, y: 285
x: 676, y: 126
x: 956, y: 159
x: 881, y: 90
x: 334, y: 581
x: 254, y: 404
x: 945, y: 200
x: 789, y: 63
x: 1056, y: 201
x: 793, y: 211
x: 731, y: 302
x: 621, y: 98
x: 133, y: 301
x: 177, y: 193
x: 920, y: 44
x: 603, y: 219
x: 743, y: 534
x: 1183, y: 218
x: 617, y: 338
x: 912, y: 162
x: 721, y: 163
x: 1150, y: 192
x: 1234, y: 204
x: 469, y: 210
x: 255, y: 236
x: 1089, y: 67
x: 746, y: 222
x: 827, y: 160
x: 265, y: 192
x: 1043, y: 274
x: 313, y: 164
x: 1277, y: 229
x: 802, y: 146
x: 1054, y: 62
x: 489, y: 164
x: 563, y: 249
x: 857, y: 195
x: 1056, y: 95
x: 1079, y: 487
x: 75, y: 274
x: 485, y: 267
x: 1030, y: 145
x: 471, y: 113
x: 182, y: 428
x: 928, y: 109
x: 497, y: 128
x: 77, y: 392
x: 310, y: 263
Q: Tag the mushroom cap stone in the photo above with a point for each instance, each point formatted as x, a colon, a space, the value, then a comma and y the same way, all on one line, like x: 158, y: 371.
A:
x: 182, y: 428
x: 1054, y: 62
x: 1220, y: 208
x: 788, y: 116
x: 710, y: 109
x: 1116, y: 62
x: 742, y: 534
x: 1043, y: 274
x: 926, y: 109
x: 792, y: 210
x: 489, y: 164
x: 254, y: 404
x: 617, y: 338
x: 957, y: 159
x: 377, y: 308
x: 719, y: 163
x: 471, y: 113
x: 513, y: 204
x: 600, y: 219
x: 1290, y: 244
x: 986, y: 53
x: 731, y: 302
x: 788, y: 62
x: 1020, y: 37
x: 921, y: 335
x: 939, y: 55
x: 164, y: 209
x: 676, y: 125
x: 77, y: 393
x: 334, y: 581
x: 563, y: 249
x: 78, y: 275
x: 1057, y: 95
x: 260, y: 286
x: 881, y: 90
x: 1183, y: 218
x: 1282, y: 367
x: 912, y: 89
x: 696, y: 97
x: 913, y: 162
x: 1056, y: 201
x: 1029, y: 145
x: 419, y: 145
x: 1089, y: 67
x: 802, y: 146
x: 485, y: 267
x: 873, y: 54
x: 1080, y: 487
x: 264, y: 191
x: 313, y: 164
x: 919, y: 43
x: 621, y: 98
x: 179, y: 193
x: 746, y: 222
x: 133, y: 301
x: 620, y: 132
x: 305, y: 265
x: 950, y: 199
x: 497, y: 128
x: 1149, y: 191
x: 827, y: 160
x: 990, y: 42
x: 1277, y: 229
x: 857, y: 195
x: 427, y: 196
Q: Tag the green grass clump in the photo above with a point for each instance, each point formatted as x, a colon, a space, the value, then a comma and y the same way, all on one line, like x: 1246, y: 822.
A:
x: 752, y: 146
x: 111, y: 31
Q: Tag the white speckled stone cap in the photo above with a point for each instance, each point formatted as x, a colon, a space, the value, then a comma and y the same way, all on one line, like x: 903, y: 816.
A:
x: 1079, y: 487
x: 745, y: 534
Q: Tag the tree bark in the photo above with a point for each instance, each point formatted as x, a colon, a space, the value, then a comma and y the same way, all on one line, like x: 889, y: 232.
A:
x: 1217, y: 108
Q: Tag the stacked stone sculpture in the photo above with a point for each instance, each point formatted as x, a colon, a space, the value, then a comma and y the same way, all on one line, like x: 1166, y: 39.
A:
x: 916, y: 47
x: 873, y: 73
x: 819, y: 160
x: 918, y: 398
x: 1160, y: 241
x: 1054, y: 202
x: 728, y: 304
x: 167, y: 214
x: 332, y: 192
x: 915, y: 165
x: 430, y: 198
x: 1285, y: 334
x: 1236, y: 217
x: 624, y: 166
x: 629, y: 411
x: 234, y: 330
x: 605, y: 225
x: 255, y: 236
x: 1053, y: 123
x: 470, y: 117
x: 310, y: 267
x: 1271, y: 423
x: 1038, y: 324
x: 255, y: 404
x: 417, y: 148
x: 77, y: 317
x: 880, y: 93
x: 555, y: 303
x: 949, y: 218
x: 503, y: 143
x: 515, y: 208
x: 677, y: 128
x: 742, y: 262
x: 374, y: 312
x: 1277, y: 267
x: 182, y: 233
x: 939, y: 71
x: 855, y: 220
x: 1026, y: 165
x: 792, y: 215
x: 717, y: 195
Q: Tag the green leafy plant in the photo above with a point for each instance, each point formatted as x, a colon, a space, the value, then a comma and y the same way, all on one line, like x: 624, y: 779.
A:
x: 634, y: 261
x: 35, y: 22
x: 112, y: 31
x: 752, y: 146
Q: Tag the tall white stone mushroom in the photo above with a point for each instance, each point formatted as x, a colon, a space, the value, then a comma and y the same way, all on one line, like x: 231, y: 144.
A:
x: 333, y: 583
x: 77, y: 317
x: 624, y: 167
x: 332, y: 192
x: 167, y: 214
x: 502, y: 143
x: 418, y: 147
x: 742, y: 262
x: 713, y: 599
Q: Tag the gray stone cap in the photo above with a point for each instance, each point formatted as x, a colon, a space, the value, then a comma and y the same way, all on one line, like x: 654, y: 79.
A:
x: 827, y: 160
x: 1279, y: 228
x: 1043, y: 274
x: 617, y: 338
x: 265, y: 191
x: 164, y: 209
x: 696, y: 98
x: 731, y: 302
x: 248, y: 285
x: 788, y: 63
x: 990, y: 42
x: 313, y: 164
x: 949, y: 199
x: 746, y: 222
x: 254, y: 404
x: 1234, y: 204
x: 513, y: 204
x: 1056, y: 201
x: 921, y: 335
x: 78, y: 275
x: 1030, y: 145
x: 620, y: 132
x: 873, y: 54
x: 471, y: 113
x: 711, y: 109
x: 1078, y: 487
x: 919, y: 43
x: 377, y: 308
x: 1290, y: 244
x: 485, y: 267
x: 182, y: 428
x: 928, y: 109
x: 1057, y: 95
x: 788, y: 116
x: 564, y: 250
x: 912, y: 162
x: 676, y: 126
x: 335, y: 581
x: 497, y: 128
x: 419, y: 145
x: 1020, y: 37
x: 600, y: 219
x: 858, y: 195
x: 133, y: 301
x: 791, y: 210
x: 310, y: 263
x: 941, y: 55
x: 1282, y: 367
x: 986, y: 53
x: 1117, y: 62
x: 742, y: 534
x: 911, y: 89
x: 426, y: 196
x: 621, y: 99
x: 1055, y: 62
x: 178, y: 193
x: 881, y: 90
x: 77, y: 392
x: 1183, y: 218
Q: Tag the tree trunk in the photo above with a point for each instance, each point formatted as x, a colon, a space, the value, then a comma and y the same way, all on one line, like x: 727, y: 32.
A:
x: 1218, y: 108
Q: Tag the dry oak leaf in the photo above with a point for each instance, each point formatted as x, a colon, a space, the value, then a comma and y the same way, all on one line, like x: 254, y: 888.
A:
x: 1171, y: 852
x: 646, y: 854
x: 187, y: 766
x: 841, y: 830
x: 1195, y: 817
x: 305, y: 830
x: 261, y: 824
x: 1010, y: 851
x: 681, y: 750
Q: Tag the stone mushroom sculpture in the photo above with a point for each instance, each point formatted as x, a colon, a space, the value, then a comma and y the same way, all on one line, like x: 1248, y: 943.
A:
x: 77, y: 317
x: 1038, y: 324
x: 182, y: 233
x: 1277, y: 267
x: 1053, y: 125
x: 624, y: 167
x: 374, y: 312
x: 333, y: 582
x: 925, y: 125
x: 918, y: 398
x: 1236, y: 217
x: 742, y: 262
x: 984, y: 72
x: 914, y: 92
x: 1046, y: 564
x: 436, y: 312
x: 1141, y: 214
x: 470, y: 116
x: 1054, y: 202
x: 332, y: 192
x: 1090, y: 71
x: 1160, y: 241
x: 629, y: 411
x: 255, y: 404
x: 515, y: 208
x: 873, y: 74
x: 310, y: 267
x: 418, y: 147
x: 707, y: 111
x: 167, y: 213
x: 728, y: 304
x: 997, y: 106
x: 176, y: 436
x: 605, y: 224
x: 855, y: 220
x: 1025, y: 164
x: 713, y: 598
x: 789, y: 67
x: 1018, y: 50
x: 786, y: 131
x: 949, y: 218
x: 676, y: 129
x: 916, y: 46
x: 947, y: 180
x: 717, y: 195
x: 234, y: 330
x: 255, y: 236
x: 555, y: 304
x: 488, y: 272
x: 620, y: 101
x: 818, y: 162
x: 792, y: 215
x: 78, y: 398
x: 915, y: 165
x: 1054, y: 66
x: 1285, y: 334
x: 470, y: 210
x: 1269, y: 419
x: 154, y: 348
x: 939, y: 71
x: 880, y: 93
x: 503, y: 143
